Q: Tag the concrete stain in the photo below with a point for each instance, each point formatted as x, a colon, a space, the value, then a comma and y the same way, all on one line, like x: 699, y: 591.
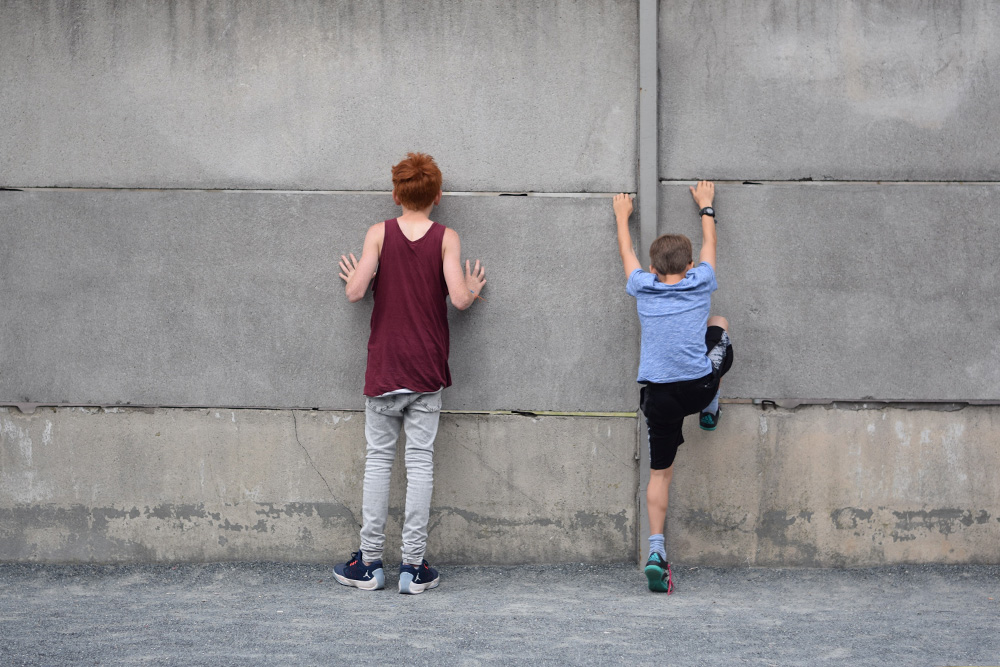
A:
x: 906, y: 526
x: 848, y: 518
x: 325, y: 511
x: 590, y: 521
x: 705, y: 520
x: 182, y: 512
x: 88, y: 533
x: 437, y: 513
x: 944, y: 521
x: 774, y: 527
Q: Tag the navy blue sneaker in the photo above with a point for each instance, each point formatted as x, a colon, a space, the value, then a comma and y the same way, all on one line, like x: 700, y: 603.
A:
x: 708, y: 421
x: 355, y: 573
x: 658, y: 574
x: 415, y: 579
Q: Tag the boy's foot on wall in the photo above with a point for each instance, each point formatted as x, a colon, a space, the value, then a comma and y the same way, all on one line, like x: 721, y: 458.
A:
x: 658, y: 574
x: 355, y: 573
x: 415, y: 579
x: 708, y: 421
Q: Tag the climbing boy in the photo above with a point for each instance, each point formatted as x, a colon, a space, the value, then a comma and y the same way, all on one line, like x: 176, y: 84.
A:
x: 683, y: 353
x: 418, y: 265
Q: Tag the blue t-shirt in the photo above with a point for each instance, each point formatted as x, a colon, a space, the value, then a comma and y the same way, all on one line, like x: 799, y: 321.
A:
x: 674, y: 319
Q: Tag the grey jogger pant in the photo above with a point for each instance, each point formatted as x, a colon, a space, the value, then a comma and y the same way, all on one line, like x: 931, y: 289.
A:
x: 418, y: 414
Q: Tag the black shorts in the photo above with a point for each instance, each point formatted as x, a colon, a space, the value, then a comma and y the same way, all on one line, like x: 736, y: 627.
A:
x: 666, y: 405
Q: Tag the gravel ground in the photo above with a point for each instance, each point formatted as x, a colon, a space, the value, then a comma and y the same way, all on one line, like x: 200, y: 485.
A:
x: 281, y: 614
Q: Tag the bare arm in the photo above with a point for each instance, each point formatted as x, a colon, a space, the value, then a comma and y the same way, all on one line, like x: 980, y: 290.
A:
x: 463, y: 288
x: 623, y: 210
x: 358, y: 274
x: 704, y: 194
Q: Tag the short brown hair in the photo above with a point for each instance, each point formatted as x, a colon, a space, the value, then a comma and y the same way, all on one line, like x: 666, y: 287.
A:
x: 671, y: 254
x: 416, y: 181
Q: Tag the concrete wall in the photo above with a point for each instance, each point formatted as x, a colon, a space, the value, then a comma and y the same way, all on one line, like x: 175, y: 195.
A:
x: 856, y: 150
x: 121, y: 484
x: 851, y: 90
x: 233, y: 299
x: 874, y: 286
x: 192, y: 169
x: 508, y: 95
x: 847, y: 485
x: 151, y: 287
x: 855, y: 290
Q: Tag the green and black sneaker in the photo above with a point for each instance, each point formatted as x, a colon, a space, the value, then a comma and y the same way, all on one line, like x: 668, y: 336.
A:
x: 708, y: 421
x: 658, y: 574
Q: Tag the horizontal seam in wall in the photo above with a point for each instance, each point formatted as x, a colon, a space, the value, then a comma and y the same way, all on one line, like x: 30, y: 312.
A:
x: 381, y: 193
x: 764, y: 403
x: 29, y: 408
x: 809, y: 181
x: 542, y: 413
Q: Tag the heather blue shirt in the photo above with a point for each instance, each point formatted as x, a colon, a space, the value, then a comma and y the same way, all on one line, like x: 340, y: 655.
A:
x: 674, y: 319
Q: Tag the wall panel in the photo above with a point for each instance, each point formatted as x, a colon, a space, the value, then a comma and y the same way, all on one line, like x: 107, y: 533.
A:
x: 526, y: 95
x: 854, y: 291
x: 851, y: 90
x: 233, y: 299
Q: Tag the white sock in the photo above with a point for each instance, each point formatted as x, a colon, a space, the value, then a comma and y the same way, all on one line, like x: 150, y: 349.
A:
x: 713, y: 407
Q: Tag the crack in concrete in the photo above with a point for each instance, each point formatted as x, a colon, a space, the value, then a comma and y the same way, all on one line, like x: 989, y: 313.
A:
x: 630, y: 465
x: 478, y: 455
x: 309, y: 458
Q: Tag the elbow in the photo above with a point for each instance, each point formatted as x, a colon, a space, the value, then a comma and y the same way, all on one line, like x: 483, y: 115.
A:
x: 354, y: 295
x: 463, y: 301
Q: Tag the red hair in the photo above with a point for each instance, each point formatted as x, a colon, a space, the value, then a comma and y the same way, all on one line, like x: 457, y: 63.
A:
x: 416, y: 181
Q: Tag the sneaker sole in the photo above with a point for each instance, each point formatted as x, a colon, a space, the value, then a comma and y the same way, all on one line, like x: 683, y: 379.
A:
x: 656, y: 580
x: 373, y: 584
x: 408, y: 587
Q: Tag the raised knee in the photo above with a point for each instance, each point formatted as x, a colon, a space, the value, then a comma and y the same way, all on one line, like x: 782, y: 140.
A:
x: 718, y: 321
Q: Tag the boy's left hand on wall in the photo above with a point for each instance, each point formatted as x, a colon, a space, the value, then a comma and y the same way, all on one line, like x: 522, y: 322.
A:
x: 348, y: 267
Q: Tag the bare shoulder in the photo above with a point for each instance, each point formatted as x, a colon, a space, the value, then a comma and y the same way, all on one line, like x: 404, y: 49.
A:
x: 450, y: 245
x: 375, y: 235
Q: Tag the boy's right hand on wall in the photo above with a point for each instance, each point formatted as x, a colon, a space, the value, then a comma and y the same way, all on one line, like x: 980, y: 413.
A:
x: 475, y: 277
x: 623, y: 206
x: 703, y: 194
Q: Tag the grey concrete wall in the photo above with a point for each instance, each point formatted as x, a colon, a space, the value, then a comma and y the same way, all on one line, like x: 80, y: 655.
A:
x: 850, y: 90
x: 233, y: 299
x: 855, y: 291
x: 125, y: 485
x: 819, y: 486
x: 875, y: 286
x: 178, y: 295
x: 508, y: 95
x: 838, y: 487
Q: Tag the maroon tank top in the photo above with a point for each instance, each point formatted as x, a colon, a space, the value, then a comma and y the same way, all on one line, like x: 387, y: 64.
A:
x: 408, y: 346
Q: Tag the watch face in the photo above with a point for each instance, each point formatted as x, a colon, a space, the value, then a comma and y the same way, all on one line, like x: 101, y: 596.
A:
x: 708, y: 210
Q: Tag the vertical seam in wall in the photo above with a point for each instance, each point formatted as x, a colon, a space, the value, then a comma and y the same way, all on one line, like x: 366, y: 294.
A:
x: 648, y: 180
x: 648, y: 186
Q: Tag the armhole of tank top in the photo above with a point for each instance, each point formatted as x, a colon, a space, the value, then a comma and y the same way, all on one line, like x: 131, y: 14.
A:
x: 388, y: 225
x: 444, y: 230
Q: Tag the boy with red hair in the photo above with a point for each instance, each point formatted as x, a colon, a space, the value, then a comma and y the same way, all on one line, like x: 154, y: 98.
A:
x: 419, y: 264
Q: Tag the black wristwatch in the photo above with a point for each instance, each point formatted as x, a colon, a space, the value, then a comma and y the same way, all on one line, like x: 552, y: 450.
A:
x: 708, y: 210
